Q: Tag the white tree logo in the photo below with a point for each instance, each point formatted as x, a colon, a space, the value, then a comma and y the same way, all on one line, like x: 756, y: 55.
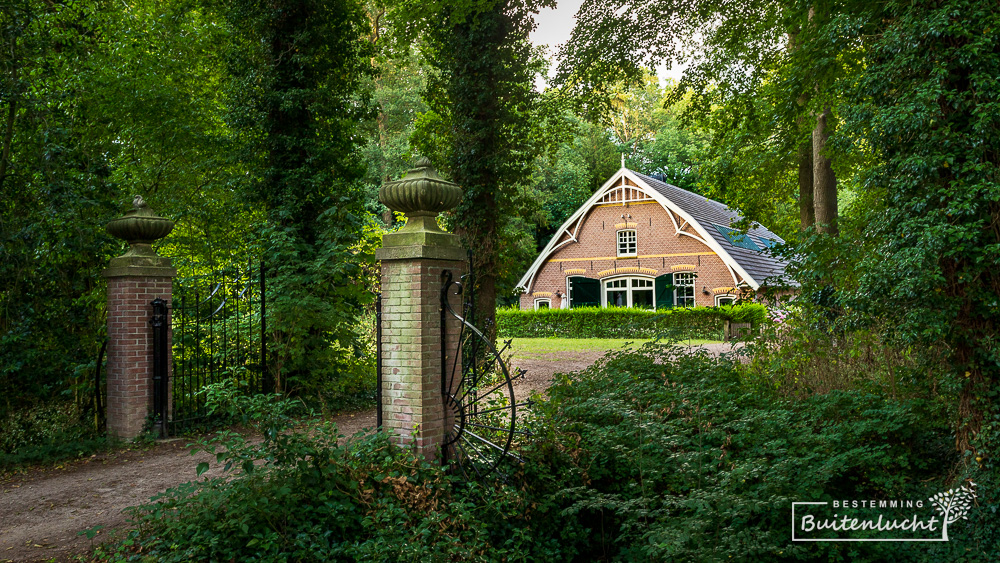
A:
x: 954, y: 505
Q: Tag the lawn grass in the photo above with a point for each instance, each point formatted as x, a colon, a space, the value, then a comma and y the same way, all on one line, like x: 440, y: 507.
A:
x: 541, y: 347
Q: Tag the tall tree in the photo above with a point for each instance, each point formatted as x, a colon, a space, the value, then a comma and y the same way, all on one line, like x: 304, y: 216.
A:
x: 929, y: 105
x: 748, y: 60
x: 824, y: 181
x: 484, y: 96
x: 298, y: 68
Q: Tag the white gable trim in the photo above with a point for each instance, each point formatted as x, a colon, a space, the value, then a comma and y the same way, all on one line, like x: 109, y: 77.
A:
x: 702, y: 235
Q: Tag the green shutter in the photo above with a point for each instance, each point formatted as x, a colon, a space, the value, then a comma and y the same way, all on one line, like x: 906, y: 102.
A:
x: 665, y: 291
x: 584, y: 292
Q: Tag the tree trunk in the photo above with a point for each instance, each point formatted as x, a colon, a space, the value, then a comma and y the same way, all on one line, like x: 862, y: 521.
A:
x: 824, y: 181
x: 804, y: 157
x: 807, y: 212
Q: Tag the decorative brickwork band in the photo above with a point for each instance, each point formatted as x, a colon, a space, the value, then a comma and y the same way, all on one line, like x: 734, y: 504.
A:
x: 689, y: 267
x: 627, y: 270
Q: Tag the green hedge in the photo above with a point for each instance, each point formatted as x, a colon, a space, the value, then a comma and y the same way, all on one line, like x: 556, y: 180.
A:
x: 618, y: 322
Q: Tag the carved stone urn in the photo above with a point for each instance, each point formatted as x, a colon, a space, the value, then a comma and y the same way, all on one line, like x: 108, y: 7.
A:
x: 421, y: 194
x: 139, y: 227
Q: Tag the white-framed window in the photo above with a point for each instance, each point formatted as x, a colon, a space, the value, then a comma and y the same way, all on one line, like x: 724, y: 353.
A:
x: 724, y: 299
x: 684, y: 289
x: 543, y: 303
x: 626, y: 243
x: 629, y: 292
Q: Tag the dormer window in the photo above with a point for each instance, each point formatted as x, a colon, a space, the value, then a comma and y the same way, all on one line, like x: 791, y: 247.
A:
x: 626, y: 243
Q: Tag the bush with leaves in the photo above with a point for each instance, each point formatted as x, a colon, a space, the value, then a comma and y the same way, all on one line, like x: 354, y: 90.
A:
x: 299, y: 496
x: 621, y: 322
x: 48, y: 432
x: 650, y: 454
x: 660, y: 454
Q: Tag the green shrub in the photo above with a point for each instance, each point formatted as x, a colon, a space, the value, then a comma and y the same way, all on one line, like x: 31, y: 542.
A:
x: 662, y: 455
x: 620, y: 322
x: 46, y: 433
x: 299, y: 496
x: 649, y: 455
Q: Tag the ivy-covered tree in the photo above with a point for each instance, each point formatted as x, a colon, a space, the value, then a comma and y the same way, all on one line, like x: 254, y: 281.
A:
x: 929, y: 106
x: 484, y: 109
x: 297, y: 69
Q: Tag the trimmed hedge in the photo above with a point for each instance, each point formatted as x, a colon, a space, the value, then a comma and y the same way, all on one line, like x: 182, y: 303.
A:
x: 620, y: 322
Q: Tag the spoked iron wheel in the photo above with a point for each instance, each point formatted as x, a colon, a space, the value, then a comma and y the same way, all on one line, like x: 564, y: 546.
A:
x: 480, y: 407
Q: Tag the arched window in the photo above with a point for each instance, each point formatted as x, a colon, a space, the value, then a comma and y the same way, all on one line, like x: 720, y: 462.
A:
x: 543, y: 303
x: 724, y: 299
x: 629, y: 292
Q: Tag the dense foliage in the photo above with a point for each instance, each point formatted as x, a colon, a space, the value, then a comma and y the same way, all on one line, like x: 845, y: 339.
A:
x: 483, y: 105
x: 661, y: 455
x: 296, y: 72
x: 298, y: 496
x: 621, y: 322
x: 652, y: 454
x: 178, y: 102
x: 935, y: 229
x: 99, y: 103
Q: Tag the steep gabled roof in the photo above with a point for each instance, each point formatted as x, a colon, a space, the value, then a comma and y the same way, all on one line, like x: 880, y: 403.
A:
x: 744, y: 254
x: 757, y: 263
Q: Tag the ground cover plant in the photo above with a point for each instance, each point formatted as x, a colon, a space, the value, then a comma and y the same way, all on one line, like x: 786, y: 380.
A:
x: 299, y: 496
x: 656, y: 452
x: 47, y: 433
x: 662, y: 454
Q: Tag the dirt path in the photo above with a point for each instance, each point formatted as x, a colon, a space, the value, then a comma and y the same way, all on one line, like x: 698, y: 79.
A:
x: 42, y: 512
x: 540, y: 367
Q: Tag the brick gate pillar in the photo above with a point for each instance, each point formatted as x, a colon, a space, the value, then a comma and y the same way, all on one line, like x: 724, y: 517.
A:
x: 413, y: 260
x: 135, y: 279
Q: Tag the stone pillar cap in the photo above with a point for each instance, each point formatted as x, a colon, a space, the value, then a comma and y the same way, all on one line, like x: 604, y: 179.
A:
x: 140, y: 227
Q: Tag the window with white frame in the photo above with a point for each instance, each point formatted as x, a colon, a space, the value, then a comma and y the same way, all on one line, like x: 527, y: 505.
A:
x: 725, y: 299
x: 543, y: 303
x: 684, y: 288
x: 626, y: 242
x: 629, y: 292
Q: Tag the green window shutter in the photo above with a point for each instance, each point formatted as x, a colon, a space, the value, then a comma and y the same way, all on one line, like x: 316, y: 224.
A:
x: 584, y: 292
x: 665, y: 291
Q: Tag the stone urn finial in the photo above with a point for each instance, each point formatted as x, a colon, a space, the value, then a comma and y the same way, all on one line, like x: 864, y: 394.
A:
x: 139, y: 227
x: 421, y: 195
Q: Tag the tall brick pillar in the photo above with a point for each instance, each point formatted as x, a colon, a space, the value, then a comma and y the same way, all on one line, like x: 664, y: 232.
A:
x: 135, y: 279
x: 413, y: 260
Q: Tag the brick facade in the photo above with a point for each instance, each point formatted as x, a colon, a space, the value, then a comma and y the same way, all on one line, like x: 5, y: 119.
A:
x: 130, y: 350
x: 660, y: 250
x: 412, y: 403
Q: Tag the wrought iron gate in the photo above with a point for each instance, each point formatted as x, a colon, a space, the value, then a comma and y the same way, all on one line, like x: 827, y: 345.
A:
x: 219, y: 333
x: 481, y: 409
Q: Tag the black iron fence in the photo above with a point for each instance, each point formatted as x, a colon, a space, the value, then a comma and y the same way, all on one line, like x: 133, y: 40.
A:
x: 219, y: 334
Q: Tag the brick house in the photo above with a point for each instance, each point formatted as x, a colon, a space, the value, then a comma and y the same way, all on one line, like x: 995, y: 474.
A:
x: 639, y: 242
